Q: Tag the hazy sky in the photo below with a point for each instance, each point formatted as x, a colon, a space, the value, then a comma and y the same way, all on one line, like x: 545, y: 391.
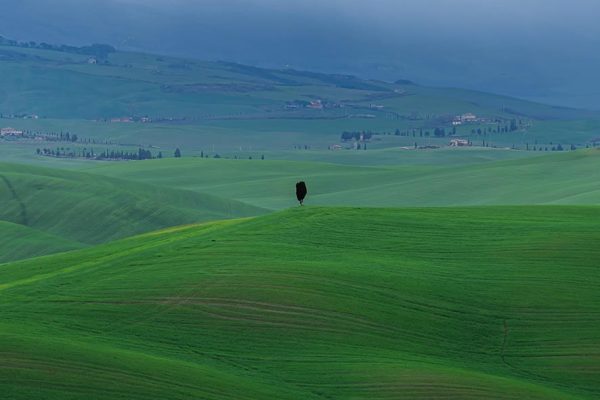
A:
x: 538, y: 49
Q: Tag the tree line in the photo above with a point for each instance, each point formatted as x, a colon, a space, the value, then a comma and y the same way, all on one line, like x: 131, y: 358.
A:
x: 438, y: 132
x: 348, y: 136
x: 91, y: 154
x: 97, y: 50
x: 507, y: 128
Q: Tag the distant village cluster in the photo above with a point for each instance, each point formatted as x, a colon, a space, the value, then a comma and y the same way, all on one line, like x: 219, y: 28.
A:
x: 19, y: 116
x: 319, y: 104
x: 140, y: 119
x: 11, y: 133
x: 466, y: 119
x: 18, y: 134
x: 127, y: 120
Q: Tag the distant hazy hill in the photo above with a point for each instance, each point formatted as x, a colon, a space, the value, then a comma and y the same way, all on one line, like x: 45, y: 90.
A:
x: 545, y: 51
x: 93, y: 82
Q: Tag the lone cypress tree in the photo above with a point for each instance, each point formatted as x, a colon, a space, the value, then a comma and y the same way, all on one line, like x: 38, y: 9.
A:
x: 301, y: 192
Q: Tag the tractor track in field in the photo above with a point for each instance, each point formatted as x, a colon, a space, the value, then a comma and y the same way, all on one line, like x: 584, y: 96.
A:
x: 11, y: 189
x: 503, y: 351
x: 521, y: 371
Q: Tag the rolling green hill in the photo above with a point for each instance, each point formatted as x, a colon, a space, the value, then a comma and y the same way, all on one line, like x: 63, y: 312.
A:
x: 91, y: 209
x: 19, y: 241
x: 316, y: 303
x: 435, y: 178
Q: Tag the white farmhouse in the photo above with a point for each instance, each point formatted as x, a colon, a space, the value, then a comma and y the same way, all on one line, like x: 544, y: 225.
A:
x: 6, y: 132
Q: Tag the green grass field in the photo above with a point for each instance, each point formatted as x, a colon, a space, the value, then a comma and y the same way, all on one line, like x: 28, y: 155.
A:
x: 316, y: 303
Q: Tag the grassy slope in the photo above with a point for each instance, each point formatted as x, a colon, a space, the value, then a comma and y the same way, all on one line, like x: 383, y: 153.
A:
x: 316, y: 303
x: 20, y: 242
x: 92, y: 209
x: 441, y: 179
